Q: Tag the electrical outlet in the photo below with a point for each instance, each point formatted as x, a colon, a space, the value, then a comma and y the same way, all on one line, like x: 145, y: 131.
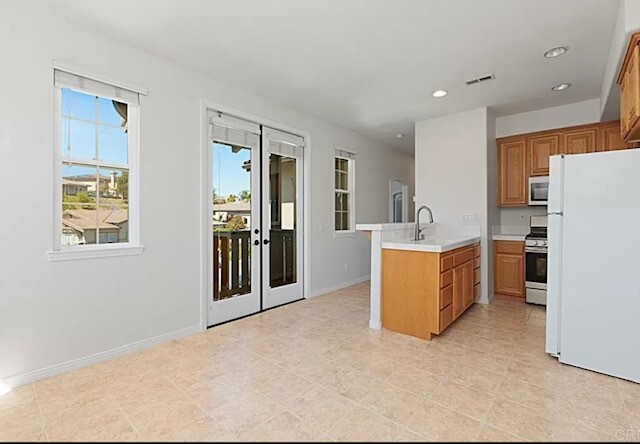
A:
x: 346, y: 267
x: 469, y: 217
x: 521, y: 217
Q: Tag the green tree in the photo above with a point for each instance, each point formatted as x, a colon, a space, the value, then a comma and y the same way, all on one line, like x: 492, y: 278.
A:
x: 245, y: 195
x: 236, y: 223
x: 232, y: 198
x: 122, y: 185
x: 80, y: 198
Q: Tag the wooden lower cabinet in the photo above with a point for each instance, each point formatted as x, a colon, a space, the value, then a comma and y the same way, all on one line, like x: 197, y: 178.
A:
x: 509, y: 268
x: 423, y: 293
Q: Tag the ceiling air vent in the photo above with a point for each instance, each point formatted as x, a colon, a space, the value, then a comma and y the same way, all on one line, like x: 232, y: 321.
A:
x: 480, y: 79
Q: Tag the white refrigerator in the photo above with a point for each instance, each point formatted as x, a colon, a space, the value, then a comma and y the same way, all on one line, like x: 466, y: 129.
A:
x: 593, y: 270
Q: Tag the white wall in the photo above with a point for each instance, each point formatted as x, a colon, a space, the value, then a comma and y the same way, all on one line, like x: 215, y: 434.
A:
x: 51, y: 313
x: 451, y: 162
x: 493, y: 211
x: 579, y: 113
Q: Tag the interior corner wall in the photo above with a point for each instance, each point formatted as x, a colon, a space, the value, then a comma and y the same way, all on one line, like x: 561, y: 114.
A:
x: 493, y: 211
x: 451, y: 172
x: 52, y: 313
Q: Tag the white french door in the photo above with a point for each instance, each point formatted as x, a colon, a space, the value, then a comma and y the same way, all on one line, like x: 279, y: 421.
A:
x: 256, y: 214
x: 282, y: 198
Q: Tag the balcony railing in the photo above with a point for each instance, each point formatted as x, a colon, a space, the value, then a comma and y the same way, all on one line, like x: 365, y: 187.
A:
x: 232, y: 261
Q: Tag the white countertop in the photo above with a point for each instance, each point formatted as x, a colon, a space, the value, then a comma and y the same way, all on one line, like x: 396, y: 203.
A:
x: 385, y: 226
x: 514, y: 233
x: 432, y: 244
x: 509, y: 237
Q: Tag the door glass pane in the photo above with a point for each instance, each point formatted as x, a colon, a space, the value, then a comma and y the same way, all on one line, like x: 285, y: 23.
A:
x: 231, y: 194
x: 282, y: 218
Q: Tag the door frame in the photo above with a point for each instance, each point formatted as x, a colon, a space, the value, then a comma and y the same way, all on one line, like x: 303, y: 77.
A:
x: 405, y: 201
x: 206, y: 206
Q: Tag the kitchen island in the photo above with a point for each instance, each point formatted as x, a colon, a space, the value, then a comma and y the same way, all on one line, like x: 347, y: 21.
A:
x: 427, y: 284
x: 438, y: 238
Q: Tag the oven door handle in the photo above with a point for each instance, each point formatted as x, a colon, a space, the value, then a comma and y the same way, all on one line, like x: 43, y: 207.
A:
x: 535, y: 250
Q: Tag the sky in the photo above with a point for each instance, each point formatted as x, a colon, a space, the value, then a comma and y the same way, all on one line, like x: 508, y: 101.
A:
x: 228, y: 175
x: 78, y: 134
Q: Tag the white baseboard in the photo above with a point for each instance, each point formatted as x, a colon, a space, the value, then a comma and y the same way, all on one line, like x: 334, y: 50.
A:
x: 375, y: 325
x: 47, y: 372
x: 339, y: 286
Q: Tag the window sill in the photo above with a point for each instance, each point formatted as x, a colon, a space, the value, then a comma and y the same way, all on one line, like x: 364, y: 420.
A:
x: 337, y: 234
x: 94, y: 253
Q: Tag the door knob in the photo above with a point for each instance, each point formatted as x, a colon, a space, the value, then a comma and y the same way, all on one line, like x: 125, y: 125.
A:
x: 256, y: 242
x: 266, y: 241
x: 256, y: 231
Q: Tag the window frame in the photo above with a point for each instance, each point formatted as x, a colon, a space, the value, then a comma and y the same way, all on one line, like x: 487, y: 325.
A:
x: 133, y: 245
x: 351, y: 192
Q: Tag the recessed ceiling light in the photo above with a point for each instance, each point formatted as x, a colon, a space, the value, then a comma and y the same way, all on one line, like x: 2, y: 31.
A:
x: 439, y: 93
x: 561, y: 87
x: 555, y: 52
x: 399, y: 136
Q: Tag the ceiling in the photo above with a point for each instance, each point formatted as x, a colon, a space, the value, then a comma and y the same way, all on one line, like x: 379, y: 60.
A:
x: 371, y: 65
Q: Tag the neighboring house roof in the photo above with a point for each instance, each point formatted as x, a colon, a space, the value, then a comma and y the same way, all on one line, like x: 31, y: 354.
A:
x: 86, y: 224
x: 74, y: 182
x: 111, y: 216
x: 233, y: 207
x: 86, y: 178
x: 82, y: 219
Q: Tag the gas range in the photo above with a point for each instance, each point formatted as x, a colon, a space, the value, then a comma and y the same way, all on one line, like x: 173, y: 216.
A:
x: 536, y: 247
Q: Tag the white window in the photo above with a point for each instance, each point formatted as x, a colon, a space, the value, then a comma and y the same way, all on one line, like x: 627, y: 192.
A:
x: 96, y: 167
x: 344, y: 176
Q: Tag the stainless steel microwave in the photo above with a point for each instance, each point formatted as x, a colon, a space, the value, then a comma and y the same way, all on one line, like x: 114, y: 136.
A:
x: 538, y: 190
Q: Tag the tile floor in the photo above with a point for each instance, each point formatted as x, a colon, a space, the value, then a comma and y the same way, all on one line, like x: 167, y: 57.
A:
x: 314, y: 371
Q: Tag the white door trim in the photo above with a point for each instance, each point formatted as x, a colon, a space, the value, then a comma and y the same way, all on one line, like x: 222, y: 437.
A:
x: 206, y: 226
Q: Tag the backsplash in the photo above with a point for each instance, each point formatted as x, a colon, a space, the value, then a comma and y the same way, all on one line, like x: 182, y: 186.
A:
x: 512, y: 216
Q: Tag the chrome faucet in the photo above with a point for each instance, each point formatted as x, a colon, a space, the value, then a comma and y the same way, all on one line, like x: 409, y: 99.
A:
x: 418, y: 230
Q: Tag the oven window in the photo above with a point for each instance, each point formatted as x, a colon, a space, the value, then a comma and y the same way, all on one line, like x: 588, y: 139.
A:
x: 536, y: 267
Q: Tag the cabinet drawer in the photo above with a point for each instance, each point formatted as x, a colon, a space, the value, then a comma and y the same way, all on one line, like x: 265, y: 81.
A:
x: 446, y: 317
x: 476, y: 251
x: 476, y: 276
x: 509, y: 247
x: 446, y: 296
x: 476, y: 292
x: 476, y: 263
x: 446, y: 263
x: 462, y: 257
x: 446, y: 278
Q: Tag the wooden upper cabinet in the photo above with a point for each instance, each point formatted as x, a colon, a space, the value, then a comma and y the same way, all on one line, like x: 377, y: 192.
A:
x: 540, y: 148
x: 512, y: 173
x: 629, y: 81
x: 580, y: 141
x: 611, y: 138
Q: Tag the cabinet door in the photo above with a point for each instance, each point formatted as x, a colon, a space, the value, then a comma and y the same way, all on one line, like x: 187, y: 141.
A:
x: 509, y: 274
x: 512, y: 174
x: 467, y: 283
x: 540, y: 148
x: 611, y: 138
x: 632, y: 93
x: 458, y: 290
x: 580, y: 141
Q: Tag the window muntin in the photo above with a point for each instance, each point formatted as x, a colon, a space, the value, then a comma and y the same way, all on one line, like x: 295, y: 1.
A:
x: 343, y: 185
x: 95, y: 169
